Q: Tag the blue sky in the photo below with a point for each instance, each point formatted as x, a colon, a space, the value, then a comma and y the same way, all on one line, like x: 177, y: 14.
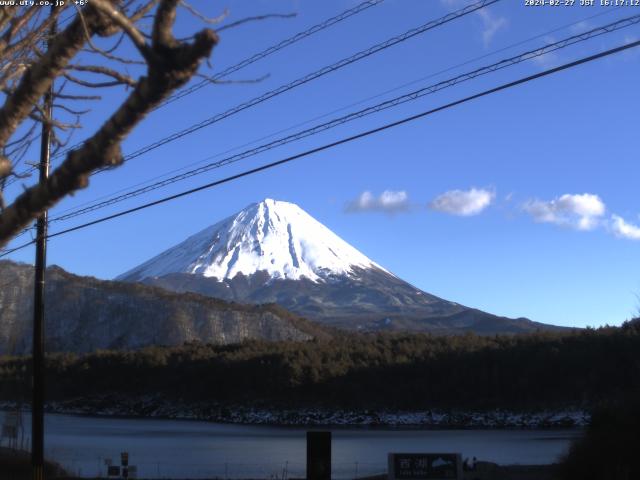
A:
x: 523, y: 203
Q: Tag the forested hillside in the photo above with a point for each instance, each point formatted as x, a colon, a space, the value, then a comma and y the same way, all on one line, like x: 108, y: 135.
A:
x: 579, y: 369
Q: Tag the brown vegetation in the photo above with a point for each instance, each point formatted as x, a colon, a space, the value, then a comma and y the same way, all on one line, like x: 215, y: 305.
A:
x: 609, y: 449
x: 16, y: 465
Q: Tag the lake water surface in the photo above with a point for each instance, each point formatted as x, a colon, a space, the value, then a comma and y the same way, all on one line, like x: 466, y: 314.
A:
x: 193, y: 449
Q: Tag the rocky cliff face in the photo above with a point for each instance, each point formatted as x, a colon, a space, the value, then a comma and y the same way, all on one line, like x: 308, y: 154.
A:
x: 85, y: 314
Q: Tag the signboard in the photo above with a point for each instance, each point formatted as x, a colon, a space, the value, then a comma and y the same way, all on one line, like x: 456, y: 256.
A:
x: 425, y: 466
x: 113, y: 471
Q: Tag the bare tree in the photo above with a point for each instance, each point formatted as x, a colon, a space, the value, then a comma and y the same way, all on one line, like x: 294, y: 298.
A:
x: 76, y: 57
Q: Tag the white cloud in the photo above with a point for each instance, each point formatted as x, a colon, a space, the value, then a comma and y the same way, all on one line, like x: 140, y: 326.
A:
x: 462, y: 202
x: 580, y: 27
x: 623, y: 229
x: 388, y: 201
x: 491, y: 22
x: 548, y: 59
x: 582, y: 211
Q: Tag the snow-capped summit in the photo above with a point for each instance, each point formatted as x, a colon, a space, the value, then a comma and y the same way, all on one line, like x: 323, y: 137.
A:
x: 276, y: 237
x: 274, y: 252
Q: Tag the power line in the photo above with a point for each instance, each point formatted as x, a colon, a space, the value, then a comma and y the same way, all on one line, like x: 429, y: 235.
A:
x: 399, y: 100
x: 342, y: 141
x: 374, y: 109
x: 313, y: 76
x: 274, y: 48
x: 247, y: 61
x: 360, y: 102
x: 303, y: 80
x: 307, y: 78
x: 260, y: 55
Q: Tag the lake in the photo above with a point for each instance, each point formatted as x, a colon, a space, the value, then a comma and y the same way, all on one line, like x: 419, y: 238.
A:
x: 193, y: 449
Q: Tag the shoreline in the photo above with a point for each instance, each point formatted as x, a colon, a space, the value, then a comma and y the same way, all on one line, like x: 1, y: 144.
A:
x: 17, y: 465
x: 152, y: 408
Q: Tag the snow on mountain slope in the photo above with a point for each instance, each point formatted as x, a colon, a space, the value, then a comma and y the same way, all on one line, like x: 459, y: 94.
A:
x: 273, y: 236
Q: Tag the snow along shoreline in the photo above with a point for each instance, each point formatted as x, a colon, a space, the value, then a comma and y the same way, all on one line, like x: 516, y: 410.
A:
x: 151, y: 407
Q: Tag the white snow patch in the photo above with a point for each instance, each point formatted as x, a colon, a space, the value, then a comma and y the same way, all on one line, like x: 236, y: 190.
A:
x: 273, y: 236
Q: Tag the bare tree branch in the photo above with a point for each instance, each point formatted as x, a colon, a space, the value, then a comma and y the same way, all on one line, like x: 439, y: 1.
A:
x: 42, y: 118
x: 70, y: 110
x: 197, y: 14
x: 6, y: 14
x: 88, y: 84
x: 109, y: 56
x: 162, y: 35
x: 143, y: 10
x: 120, y: 78
x: 22, y: 138
x: 170, y: 64
x: 39, y: 76
x: 124, y: 23
x: 254, y: 19
x: 64, y: 96
x: 117, y: 44
x: 5, y: 166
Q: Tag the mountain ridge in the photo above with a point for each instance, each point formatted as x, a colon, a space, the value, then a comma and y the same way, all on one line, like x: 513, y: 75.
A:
x: 84, y: 314
x: 274, y: 252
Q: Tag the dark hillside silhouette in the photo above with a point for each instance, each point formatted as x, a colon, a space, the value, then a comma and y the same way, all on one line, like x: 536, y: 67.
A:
x: 578, y: 369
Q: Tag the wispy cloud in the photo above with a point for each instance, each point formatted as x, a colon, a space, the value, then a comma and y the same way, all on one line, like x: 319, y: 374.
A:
x: 548, y: 59
x: 581, y: 211
x: 462, y: 202
x: 388, y: 202
x: 491, y: 23
x: 580, y: 27
x: 624, y: 229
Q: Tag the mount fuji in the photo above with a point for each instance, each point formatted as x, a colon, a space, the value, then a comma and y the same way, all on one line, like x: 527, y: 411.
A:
x: 278, y: 238
x: 275, y: 252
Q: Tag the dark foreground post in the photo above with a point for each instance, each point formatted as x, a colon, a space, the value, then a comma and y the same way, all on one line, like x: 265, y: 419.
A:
x: 37, y: 407
x: 318, y: 455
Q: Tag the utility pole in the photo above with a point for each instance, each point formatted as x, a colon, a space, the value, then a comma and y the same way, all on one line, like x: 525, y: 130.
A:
x: 37, y: 408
